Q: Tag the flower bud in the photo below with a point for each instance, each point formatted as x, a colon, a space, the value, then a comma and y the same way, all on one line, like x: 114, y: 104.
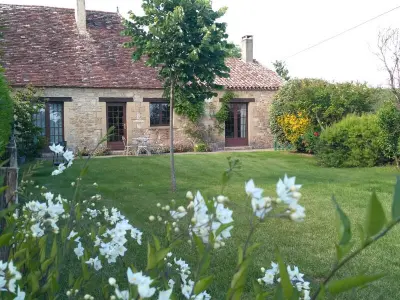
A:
x: 181, y: 209
x: 173, y: 201
x: 174, y: 224
x: 176, y: 229
x: 297, y: 195
x: 189, y: 195
x: 278, y: 200
x: 193, y: 220
x: 222, y: 199
x: 263, y: 269
x: 72, y: 183
x: 167, y: 208
x: 159, y: 218
x: 76, y: 292
x: 158, y: 204
x: 113, y: 297
x: 86, y: 297
x: 152, y: 218
x: 191, y: 205
x: 259, y: 280
x: 112, y: 281
x: 68, y: 293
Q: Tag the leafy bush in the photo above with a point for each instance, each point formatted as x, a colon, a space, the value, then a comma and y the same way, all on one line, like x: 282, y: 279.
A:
x: 389, y: 123
x: 201, y: 147
x: 294, y: 125
x: 352, y: 142
x: 30, y: 140
x: 322, y: 102
x: 6, y: 113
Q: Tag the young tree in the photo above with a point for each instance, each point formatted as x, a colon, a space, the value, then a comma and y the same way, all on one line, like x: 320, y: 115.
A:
x: 281, y: 69
x: 188, y: 46
x: 389, y: 54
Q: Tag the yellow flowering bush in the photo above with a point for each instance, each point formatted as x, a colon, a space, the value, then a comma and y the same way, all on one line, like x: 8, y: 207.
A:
x: 294, y: 125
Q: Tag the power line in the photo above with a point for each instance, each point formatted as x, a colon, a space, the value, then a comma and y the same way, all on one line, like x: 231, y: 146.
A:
x: 343, y: 32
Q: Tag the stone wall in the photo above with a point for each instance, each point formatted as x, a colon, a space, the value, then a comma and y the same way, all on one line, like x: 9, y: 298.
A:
x: 85, y: 117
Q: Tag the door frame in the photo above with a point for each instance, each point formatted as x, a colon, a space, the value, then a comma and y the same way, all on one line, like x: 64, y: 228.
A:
x: 116, y: 145
x: 236, y: 141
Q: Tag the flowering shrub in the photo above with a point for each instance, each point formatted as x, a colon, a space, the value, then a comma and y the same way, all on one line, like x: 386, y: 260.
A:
x: 59, y: 247
x: 294, y: 126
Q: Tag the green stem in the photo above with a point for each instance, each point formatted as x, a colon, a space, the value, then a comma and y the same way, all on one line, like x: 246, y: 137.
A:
x: 354, y: 254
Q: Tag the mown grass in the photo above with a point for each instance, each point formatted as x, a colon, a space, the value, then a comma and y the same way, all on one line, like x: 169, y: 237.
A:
x: 136, y: 184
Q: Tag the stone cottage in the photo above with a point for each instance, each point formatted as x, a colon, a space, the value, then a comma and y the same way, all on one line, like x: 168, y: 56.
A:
x: 91, y: 83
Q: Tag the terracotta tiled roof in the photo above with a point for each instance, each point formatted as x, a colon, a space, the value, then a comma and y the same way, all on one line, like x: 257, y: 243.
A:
x: 42, y: 46
x: 249, y: 76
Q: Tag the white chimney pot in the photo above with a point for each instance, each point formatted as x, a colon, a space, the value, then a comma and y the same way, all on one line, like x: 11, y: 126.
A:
x: 247, y: 48
x: 80, y: 16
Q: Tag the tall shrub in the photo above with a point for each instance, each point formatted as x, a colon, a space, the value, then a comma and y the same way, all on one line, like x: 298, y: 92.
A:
x: 389, y: 123
x: 323, y: 102
x: 352, y: 142
x: 6, y: 113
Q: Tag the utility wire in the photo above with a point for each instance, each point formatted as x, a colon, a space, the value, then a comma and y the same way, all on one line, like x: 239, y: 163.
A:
x: 341, y: 33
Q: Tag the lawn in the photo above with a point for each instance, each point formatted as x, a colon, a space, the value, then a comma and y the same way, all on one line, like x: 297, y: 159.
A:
x: 136, y: 184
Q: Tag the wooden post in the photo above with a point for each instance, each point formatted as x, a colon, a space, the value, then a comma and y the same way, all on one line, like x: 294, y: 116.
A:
x: 10, y: 195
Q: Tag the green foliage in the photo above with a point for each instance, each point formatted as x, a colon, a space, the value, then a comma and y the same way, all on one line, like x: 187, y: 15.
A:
x: 324, y: 103
x: 222, y: 114
x: 29, y: 137
x: 235, y: 51
x: 389, y: 123
x: 6, y: 113
x: 351, y: 142
x: 185, y: 41
x: 281, y: 69
x: 201, y: 147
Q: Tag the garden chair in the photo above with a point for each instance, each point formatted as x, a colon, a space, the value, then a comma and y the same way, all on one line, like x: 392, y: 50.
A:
x: 127, y: 148
x: 142, y: 145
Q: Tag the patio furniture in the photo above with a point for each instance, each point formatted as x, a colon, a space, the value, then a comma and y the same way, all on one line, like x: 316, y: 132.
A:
x: 127, y: 148
x: 142, y: 145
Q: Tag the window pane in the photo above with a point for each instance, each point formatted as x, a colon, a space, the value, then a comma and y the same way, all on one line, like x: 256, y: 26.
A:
x: 39, y: 120
x: 56, y: 122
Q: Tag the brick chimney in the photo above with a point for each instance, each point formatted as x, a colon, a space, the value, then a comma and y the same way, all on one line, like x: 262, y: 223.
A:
x: 247, y: 48
x: 80, y: 16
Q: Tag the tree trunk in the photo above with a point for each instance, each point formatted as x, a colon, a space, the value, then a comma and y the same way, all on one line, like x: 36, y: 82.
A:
x: 171, y: 135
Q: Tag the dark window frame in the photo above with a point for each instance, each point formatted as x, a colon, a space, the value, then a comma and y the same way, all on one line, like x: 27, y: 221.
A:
x: 160, y: 114
x: 46, y: 131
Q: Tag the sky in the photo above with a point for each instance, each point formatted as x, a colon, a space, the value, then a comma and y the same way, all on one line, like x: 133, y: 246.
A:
x: 284, y: 27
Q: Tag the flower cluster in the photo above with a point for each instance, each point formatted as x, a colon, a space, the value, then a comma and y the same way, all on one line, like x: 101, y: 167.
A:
x: 42, y: 214
x: 68, y: 156
x: 288, y: 193
x: 271, y: 277
x: 9, y: 276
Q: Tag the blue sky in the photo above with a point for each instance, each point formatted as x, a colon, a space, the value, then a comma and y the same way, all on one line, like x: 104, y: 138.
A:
x: 282, y: 28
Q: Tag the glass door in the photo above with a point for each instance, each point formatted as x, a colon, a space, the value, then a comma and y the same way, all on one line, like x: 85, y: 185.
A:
x: 116, y: 119
x: 236, y: 125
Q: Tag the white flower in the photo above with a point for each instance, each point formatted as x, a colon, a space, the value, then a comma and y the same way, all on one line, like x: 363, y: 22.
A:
x: 20, y: 295
x: 295, y: 274
x: 124, y: 295
x: 224, y: 215
x: 57, y: 149
x: 3, y: 267
x: 12, y: 285
x: 3, y: 282
x: 95, y: 262
x: 202, y: 296
x: 298, y: 212
x: 307, y: 295
x: 187, y: 289
x: 165, y: 295
x: 95, y: 184
x: 49, y: 196
x: 252, y: 190
x: 177, y: 215
x: 261, y: 206
x: 69, y: 155
x: 189, y: 195
x: 268, y: 277
x: 287, y: 190
x: 171, y: 283
x: 37, y: 231
x: 145, y: 291
x: 79, y: 250
x: 112, y: 281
